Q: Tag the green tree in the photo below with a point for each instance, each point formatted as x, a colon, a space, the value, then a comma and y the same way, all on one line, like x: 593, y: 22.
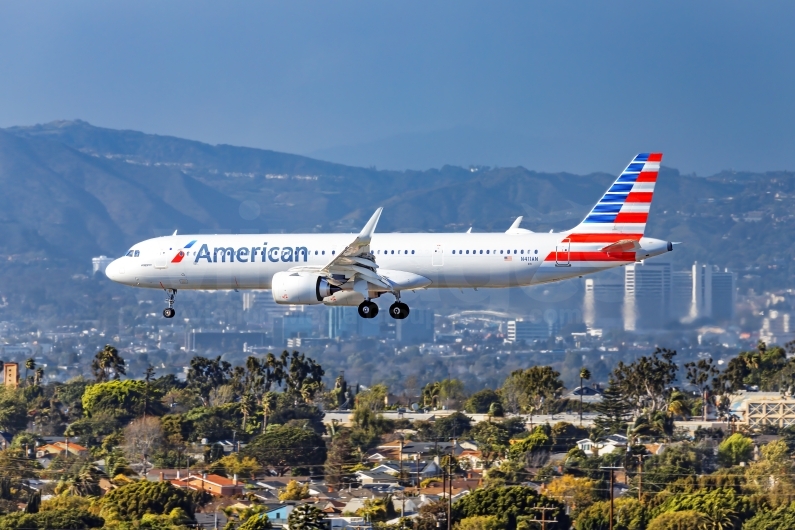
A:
x: 531, y: 390
x: 121, y: 400
x: 66, y: 519
x: 628, y: 514
x: 481, y: 401
x: 783, y: 517
x: 510, y: 505
x: 645, y: 383
x: 132, y: 501
x: 340, y: 458
x: 454, y: 425
x: 34, y: 502
x: 723, y: 508
x: 13, y: 410
x: 374, y: 398
x: 257, y: 521
x: 294, y: 491
x: 303, y: 377
x: 108, y: 364
x: 677, y: 521
x: 613, y: 411
x: 283, y: 447
x: 735, y: 449
x: 306, y: 517
x: 206, y: 374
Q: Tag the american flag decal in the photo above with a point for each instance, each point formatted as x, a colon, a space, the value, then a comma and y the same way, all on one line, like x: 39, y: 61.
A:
x: 508, y: 258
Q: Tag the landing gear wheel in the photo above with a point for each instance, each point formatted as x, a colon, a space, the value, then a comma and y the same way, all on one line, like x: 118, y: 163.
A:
x: 169, y: 311
x: 399, y: 310
x: 368, y: 309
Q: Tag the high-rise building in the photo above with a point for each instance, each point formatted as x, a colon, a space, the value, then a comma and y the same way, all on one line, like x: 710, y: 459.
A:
x: 417, y: 328
x: 777, y: 328
x: 702, y: 291
x: 647, y: 295
x: 603, y: 303
x: 724, y: 294
x: 681, y: 294
x: 528, y: 330
x: 343, y: 322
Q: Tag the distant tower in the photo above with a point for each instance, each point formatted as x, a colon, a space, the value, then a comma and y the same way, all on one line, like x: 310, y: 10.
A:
x: 681, y: 294
x: 702, y: 291
x: 11, y: 375
x: 647, y: 295
x: 724, y: 294
x: 602, y: 303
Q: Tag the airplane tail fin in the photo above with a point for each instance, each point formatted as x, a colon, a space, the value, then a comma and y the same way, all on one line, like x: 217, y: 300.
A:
x: 622, y: 212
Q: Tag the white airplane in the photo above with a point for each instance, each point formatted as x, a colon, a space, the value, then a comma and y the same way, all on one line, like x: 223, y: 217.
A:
x: 347, y: 269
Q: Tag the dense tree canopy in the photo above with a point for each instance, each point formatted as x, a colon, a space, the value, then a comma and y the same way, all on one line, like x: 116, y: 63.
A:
x: 283, y: 447
x: 510, y: 505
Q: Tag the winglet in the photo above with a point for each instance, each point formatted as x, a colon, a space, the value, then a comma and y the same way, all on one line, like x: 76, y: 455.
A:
x: 367, y: 232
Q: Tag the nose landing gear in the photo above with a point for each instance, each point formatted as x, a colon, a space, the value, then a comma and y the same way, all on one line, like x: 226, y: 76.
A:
x: 169, y: 312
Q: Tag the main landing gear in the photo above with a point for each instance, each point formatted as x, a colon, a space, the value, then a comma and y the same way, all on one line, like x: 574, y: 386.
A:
x: 398, y: 310
x: 169, y: 311
x: 368, y: 309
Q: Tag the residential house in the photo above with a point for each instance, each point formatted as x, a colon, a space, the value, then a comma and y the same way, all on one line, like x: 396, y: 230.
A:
x: 61, y: 448
x: 589, y: 394
x: 608, y: 445
x: 375, y: 477
x: 214, y: 484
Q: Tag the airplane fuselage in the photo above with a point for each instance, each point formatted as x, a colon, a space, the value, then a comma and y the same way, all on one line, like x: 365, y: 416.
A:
x: 447, y: 260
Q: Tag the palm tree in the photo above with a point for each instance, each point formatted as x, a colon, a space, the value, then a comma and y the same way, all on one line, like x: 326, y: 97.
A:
x: 584, y: 375
x: 38, y: 376
x: 268, y: 407
x: 30, y: 364
x: 717, y: 518
x: 108, y: 361
x: 247, y: 406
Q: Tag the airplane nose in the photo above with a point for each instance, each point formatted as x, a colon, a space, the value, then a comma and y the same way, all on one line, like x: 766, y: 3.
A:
x: 115, y: 270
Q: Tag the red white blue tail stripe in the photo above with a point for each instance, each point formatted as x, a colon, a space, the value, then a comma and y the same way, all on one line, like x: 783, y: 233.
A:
x: 624, y: 208
x: 610, y: 234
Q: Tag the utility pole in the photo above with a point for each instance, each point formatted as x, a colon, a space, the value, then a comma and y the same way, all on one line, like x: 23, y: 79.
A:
x: 612, y: 470
x: 640, y: 477
x: 543, y: 520
x: 450, y: 494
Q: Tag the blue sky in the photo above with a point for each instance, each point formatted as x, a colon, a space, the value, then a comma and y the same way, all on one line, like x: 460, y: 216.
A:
x: 572, y: 85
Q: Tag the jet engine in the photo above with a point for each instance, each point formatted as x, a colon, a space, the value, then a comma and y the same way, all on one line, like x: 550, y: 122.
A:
x: 303, y: 288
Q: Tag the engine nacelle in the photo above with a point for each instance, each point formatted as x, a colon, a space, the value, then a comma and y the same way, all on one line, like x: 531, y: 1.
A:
x: 301, y: 288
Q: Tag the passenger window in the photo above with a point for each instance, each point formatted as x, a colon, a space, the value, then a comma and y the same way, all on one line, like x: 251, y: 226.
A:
x: 333, y: 252
x: 481, y: 252
x: 393, y: 252
x: 522, y: 252
x: 487, y: 252
x: 536, y: 251
x: 405, y: 252
x: 412, y: 252
x: 500, y: 251
x: 324, y: 252
x: 467, y: 252
x: 515, y: 252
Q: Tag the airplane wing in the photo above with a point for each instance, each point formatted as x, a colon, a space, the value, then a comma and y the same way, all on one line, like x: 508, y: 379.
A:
x: 356, y: 263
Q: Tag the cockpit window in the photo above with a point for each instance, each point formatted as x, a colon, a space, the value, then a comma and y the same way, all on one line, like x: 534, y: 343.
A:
x: 130, y: 253
x: 137, y: 253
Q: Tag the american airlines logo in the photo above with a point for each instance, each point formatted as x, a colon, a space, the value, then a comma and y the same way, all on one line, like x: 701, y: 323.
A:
x: 246, y: 254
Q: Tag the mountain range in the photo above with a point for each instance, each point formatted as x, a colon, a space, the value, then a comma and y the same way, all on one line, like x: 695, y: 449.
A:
x: 72, y: 191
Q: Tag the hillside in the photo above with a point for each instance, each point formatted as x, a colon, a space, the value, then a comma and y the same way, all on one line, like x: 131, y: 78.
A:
x: 72, y: 190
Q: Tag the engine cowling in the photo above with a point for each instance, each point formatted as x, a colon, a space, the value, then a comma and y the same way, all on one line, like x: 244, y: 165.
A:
x: 301, y: 288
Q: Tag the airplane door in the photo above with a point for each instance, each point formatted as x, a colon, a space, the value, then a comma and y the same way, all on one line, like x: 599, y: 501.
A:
x: 161, y: 261
x: 563, y: 254
x: 438, y: 256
